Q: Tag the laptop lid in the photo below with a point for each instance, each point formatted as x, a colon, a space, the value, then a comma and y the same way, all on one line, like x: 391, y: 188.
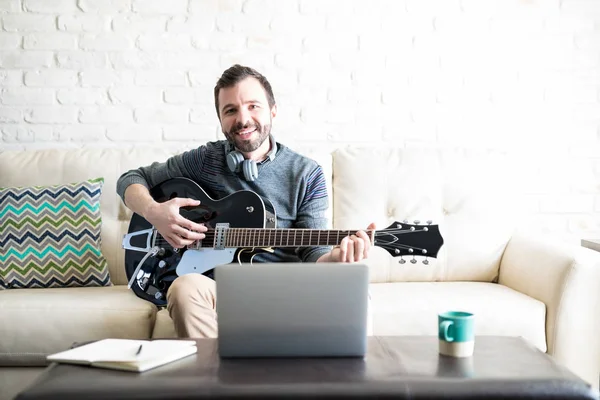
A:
x: 292, y: 309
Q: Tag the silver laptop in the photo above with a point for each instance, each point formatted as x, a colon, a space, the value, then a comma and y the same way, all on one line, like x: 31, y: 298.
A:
x: 292, y: 310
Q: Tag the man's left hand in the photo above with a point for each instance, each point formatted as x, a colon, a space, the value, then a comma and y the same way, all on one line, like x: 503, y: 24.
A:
x: 351, y: 249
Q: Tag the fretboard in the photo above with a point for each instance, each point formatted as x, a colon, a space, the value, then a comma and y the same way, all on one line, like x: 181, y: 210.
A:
x: 272, y: 237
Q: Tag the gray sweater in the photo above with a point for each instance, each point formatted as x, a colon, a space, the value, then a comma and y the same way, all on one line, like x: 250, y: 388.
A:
x: 293, y: 183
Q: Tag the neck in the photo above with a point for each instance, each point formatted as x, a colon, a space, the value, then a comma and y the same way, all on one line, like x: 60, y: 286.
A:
x: 260, y: 154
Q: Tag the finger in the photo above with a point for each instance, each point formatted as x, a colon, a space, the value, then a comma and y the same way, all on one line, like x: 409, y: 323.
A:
x: 189, y: 224
x: 366, y: 241
x: 343, y: 249
x: 359, y: 247
x: 350, y: 252
x: 187, y: 234
x: 186, y: 201
x: 371, y: 226
x: 180, y: 241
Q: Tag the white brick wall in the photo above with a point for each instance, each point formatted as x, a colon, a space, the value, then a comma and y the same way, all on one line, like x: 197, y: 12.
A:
x: 496, y: 76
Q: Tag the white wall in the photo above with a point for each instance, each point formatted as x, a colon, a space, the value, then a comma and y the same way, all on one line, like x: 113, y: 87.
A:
x: 493, y: 75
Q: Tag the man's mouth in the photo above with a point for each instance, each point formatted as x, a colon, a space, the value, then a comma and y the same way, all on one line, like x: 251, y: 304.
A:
x: 245, y: 133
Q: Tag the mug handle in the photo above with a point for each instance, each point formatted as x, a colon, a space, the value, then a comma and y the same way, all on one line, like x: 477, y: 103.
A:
x: 444, y: 327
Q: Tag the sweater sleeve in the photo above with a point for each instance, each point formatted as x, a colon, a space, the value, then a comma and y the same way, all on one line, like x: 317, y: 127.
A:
x: 312, y: 213
x: 187, y: 165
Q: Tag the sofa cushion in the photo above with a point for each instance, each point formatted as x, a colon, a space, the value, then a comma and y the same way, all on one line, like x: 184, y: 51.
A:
x: 38, y: 322
x: 51, y: 236
x: 464, y: 194
x: 411, y: 308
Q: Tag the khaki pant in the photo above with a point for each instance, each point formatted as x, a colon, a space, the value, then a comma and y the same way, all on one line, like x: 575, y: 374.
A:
x: 191, y: 301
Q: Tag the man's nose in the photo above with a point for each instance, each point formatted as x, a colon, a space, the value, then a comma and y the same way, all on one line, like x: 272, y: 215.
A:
x: 243, y: 117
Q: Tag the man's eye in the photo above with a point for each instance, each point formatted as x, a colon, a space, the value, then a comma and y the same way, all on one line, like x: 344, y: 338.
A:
x: 253, y: 106
x: 230, y: 111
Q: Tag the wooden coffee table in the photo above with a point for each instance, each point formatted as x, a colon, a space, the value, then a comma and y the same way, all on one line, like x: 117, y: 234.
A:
x: 399, y: 366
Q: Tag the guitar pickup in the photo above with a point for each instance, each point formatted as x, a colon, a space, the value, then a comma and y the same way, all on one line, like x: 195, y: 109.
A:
x: 220, y: 235
x: 127, y: 238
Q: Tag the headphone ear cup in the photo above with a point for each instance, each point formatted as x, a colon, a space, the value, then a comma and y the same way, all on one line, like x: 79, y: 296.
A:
x: 250, y: 170
x: 234, y: 159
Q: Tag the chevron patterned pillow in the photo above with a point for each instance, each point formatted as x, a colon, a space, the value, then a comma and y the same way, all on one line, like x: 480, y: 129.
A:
x: 50, y: 236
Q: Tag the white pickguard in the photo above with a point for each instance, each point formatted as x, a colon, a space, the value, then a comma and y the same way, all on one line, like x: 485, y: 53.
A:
x: 200, y: 261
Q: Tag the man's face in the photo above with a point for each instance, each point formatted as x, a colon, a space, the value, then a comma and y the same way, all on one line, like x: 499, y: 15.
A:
x: 245, y: 114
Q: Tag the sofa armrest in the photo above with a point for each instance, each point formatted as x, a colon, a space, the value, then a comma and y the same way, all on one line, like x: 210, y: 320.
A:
x: 566, y: 278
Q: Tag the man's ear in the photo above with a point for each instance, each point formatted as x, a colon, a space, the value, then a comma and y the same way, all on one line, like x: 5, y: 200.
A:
x: 274, y: 111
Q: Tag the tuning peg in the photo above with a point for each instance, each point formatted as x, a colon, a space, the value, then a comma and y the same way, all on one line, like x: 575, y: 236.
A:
x: 413, y: 261
x: 405, y: 221
x: 417, y: 222
x: 429, y: 222
x: 426, y: 262
x: 402, y: 261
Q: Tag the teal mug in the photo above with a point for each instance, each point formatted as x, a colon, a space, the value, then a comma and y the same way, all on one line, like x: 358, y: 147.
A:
x: 456, y: 333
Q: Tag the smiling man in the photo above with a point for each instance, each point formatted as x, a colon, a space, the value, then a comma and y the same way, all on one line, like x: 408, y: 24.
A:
x: 250, y: 159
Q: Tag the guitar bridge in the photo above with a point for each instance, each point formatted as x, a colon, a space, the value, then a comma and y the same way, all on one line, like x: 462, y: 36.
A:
x: 149, y: 238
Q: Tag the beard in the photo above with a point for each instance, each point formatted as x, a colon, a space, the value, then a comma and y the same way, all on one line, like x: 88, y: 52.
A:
x: 247, y: 146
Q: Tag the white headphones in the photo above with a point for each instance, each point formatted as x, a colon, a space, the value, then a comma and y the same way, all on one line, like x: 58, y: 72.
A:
x: 237, y: 163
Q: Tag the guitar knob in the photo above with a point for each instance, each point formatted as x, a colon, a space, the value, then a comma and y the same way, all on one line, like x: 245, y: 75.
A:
x: 158, y: 295
x: 162, y: 264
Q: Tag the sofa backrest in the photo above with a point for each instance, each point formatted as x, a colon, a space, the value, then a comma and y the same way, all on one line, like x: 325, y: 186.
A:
x: 468, y: 194
x: 60, y: 166
x: 464, y: 193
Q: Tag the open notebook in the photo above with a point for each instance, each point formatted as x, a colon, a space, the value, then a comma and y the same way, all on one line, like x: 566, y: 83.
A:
x: 126, y: 354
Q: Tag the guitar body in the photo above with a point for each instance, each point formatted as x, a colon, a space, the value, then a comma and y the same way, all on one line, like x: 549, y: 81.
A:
x: 243, y: 209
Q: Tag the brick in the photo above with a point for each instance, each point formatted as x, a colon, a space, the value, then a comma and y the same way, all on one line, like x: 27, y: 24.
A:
x: 220, y: 42
x: 187, y: 133
x: 11, y: 115
x: 25, y: 96
x: 51, y: 78
x: 50, y: 6
x: 9, y: 41
x: 106, y: 78
x: 256, y: 8
x: 81, y: 59
x: 134, y: 133
x: 50, y: 41
x: 139, y: 23
x: 105, y: 115
x: 162, y: 115
x: 166, y: 42
x: 104, y: 6
x: 81, y: 133
x: 204, y: 77
x: 160, y: 78
x: 160, y: 6
x: 188, y: 60
x: 84, y: 23
x: 138, y: 60
x: 204, y: 23
x: 51, y: 115
x: 10, y: 6
x: 10, y: 78
x: 288, y: 24
x: 189, y: 95
x: 215, y: 7
x: 331, y: 42
x: 203, y: 114
x: 325, y: 7
x: 105, y: 41
x: 135, y: 95
x: 29, y: 22
x: 240, y: 23
x: 274, y: 43
x: 26, y: 59
x: 84, y: 96
x: 17, y: 134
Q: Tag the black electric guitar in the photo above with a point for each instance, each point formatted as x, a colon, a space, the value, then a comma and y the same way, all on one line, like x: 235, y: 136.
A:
x: 240, y: 225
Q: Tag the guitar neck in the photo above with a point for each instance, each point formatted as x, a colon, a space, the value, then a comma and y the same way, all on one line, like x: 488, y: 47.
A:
x: 271, y: 237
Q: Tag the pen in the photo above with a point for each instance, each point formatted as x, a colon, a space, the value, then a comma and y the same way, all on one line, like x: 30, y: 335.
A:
x: 139, y: 350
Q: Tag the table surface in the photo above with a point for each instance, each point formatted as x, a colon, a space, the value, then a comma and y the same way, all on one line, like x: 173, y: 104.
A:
x: 395, y: 366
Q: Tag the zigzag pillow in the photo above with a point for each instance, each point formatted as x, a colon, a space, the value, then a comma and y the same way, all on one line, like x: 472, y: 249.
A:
x: 50, y: 236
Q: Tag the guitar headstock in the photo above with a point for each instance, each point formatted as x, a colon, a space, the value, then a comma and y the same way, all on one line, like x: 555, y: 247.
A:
x: 404, y: 239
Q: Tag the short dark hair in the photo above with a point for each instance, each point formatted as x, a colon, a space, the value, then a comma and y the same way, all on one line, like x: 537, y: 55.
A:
x: 236, y: 73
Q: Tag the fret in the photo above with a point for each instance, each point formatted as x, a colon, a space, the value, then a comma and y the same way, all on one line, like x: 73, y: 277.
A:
x: 288, y: 238
x: 319, y: 237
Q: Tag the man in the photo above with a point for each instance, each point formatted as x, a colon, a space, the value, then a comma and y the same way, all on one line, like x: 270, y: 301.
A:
x: 249, y: 159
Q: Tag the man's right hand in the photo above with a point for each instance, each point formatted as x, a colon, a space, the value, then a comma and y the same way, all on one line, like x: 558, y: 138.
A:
x: 176, y: 229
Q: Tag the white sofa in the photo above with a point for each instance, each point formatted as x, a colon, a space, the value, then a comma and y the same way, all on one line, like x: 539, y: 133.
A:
x: 517, y: 283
